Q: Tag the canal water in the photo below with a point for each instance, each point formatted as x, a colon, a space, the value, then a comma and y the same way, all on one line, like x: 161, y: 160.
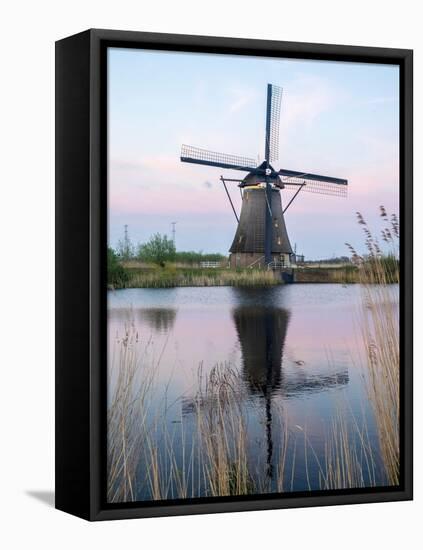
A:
x: 297, y: 353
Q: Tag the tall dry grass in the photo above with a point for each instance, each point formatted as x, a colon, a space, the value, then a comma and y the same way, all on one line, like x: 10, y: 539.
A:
x: 131, y: 388
x: 379, y: 270
x: 349, y: 455
x: 170, y: 277
x: 222, y: 433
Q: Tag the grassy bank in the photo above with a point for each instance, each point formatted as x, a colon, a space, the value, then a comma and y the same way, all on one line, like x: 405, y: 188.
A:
x: 171, y: 276
x: 136, y: 276
x: 133, y: 276
x: 347, y: 274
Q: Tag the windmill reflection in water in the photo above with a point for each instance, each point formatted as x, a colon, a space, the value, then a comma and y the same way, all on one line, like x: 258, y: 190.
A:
x: 261, y: 331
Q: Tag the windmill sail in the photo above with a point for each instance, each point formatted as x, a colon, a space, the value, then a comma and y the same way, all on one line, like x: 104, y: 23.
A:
x: 196, y: 155
x: 318, y: 187
x: 274, y: 97
x: 315, y: 183
x: 314, y: 177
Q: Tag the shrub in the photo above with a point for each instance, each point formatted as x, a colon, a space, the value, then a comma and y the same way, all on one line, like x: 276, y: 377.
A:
x: 116, y: 273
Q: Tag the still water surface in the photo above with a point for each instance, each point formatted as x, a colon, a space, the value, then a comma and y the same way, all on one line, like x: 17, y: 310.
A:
x: 296, y: 348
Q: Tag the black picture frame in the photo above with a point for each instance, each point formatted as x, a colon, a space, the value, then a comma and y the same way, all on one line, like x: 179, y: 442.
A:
x: 81, y: 240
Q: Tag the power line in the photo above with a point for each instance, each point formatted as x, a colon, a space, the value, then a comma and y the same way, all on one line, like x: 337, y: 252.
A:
x: 174, y: 233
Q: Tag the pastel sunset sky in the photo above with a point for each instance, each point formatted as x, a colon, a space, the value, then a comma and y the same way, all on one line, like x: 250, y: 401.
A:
x: 337, y: 119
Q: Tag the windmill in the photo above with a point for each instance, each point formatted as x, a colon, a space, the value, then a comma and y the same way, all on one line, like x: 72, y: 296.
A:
x: 261, y: 238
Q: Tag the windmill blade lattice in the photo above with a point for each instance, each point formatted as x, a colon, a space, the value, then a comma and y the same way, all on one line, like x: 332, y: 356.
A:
x: 318, y: 187
x: 274, y: 99
x: 196, y: 155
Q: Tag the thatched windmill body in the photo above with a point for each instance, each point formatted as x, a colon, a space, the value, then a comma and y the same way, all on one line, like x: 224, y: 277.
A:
x: 261, y: 237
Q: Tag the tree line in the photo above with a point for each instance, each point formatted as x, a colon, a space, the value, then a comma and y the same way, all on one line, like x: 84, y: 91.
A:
x: 159, y: 249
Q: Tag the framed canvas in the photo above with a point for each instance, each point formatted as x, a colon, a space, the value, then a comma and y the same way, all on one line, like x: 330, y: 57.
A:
x: 233, y: 218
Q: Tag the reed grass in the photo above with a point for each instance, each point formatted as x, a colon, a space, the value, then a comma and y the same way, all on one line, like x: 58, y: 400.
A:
x: 379, y: 270
x: 349, y: 456
x: 222, y: 428
x: 170, y: 277
x: 347, y: 274
x: 129, y: 402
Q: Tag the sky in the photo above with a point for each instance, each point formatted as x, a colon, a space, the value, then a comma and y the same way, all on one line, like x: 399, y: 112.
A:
x: 337, y: 119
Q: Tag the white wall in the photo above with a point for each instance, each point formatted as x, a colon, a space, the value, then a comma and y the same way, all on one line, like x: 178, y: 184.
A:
x: 28, y: 31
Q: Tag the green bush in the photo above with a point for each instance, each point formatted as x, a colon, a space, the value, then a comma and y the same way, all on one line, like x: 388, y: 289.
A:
x: 191, y: 257
x: 117, y: 275
x: 159, y: 249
